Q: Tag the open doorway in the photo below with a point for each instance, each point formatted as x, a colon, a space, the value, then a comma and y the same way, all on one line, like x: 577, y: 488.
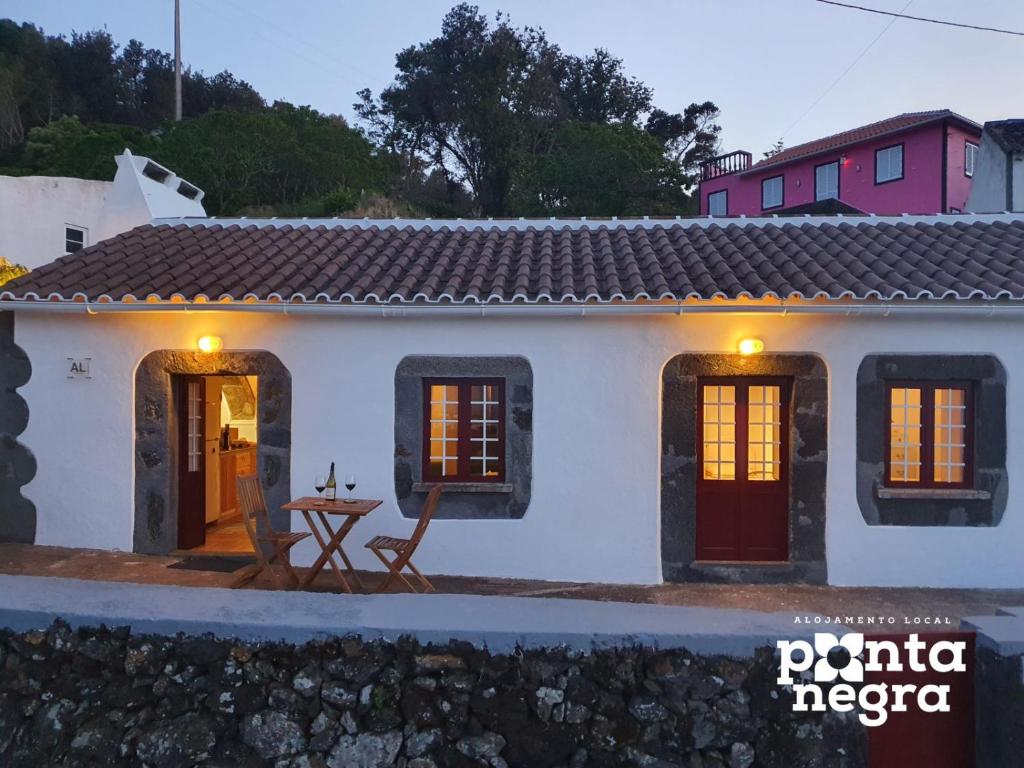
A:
x: 218, y: 441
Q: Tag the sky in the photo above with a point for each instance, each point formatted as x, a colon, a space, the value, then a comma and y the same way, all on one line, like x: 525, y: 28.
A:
x: 791, y: 69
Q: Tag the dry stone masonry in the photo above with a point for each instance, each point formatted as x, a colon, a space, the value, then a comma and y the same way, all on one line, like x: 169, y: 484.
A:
x: 104, y: 697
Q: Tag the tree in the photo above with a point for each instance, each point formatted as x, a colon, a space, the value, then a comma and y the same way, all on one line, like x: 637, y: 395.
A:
x: 777, y: 147
x: 475, y: 101
x: 66, y: 147
x: 9, y: 270
x: 598, y: 169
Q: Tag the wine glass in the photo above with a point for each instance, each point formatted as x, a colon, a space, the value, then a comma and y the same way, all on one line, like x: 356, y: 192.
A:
x: 320, y: 483
x: 350, y: 484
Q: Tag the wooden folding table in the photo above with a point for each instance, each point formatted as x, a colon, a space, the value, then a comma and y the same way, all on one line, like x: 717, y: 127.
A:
x: 328, y: 538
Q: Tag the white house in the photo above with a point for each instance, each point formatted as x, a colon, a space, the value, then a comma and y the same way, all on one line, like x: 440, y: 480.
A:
x: 43, y: 217
x: 809, y: 400
x: 998, y: 183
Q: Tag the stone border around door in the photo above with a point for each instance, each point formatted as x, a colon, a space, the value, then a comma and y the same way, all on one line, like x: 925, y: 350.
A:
x: 156, y: 441
x: 808, y: 467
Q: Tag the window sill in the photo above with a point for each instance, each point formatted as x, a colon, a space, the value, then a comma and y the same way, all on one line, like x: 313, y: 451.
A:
x: 935, y: 494
x: 466, y: 487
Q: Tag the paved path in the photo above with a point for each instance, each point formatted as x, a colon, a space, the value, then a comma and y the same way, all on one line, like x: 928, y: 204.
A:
x: 795, y: 600
x: 500, y: 624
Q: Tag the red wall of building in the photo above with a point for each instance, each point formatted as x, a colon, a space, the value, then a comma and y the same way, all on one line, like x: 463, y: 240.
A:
x: 919, y: 191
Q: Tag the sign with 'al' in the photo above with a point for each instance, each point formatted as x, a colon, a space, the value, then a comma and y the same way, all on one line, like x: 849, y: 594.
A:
x: 78, y: 367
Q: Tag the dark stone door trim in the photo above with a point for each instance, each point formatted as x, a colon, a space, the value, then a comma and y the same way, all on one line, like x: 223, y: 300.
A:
x: 156, y: 436
x: 808, y: 457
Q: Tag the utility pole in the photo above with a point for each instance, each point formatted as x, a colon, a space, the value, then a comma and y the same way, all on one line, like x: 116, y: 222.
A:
x: 177, y: 60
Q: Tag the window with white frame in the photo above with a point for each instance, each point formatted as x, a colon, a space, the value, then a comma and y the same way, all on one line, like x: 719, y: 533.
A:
x: 826, y: 181
x: 889, y: 164
x: 771, y: 193
x: 970, y: 157
x: 74, y: 238
x: 718, y: 203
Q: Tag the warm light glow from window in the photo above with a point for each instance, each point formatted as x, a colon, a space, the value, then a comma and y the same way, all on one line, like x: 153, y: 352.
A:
x: 750, y: 346
x: 209, y: 344
x: 764, y: 433
x: 905, y: 434
x: 719, y: 432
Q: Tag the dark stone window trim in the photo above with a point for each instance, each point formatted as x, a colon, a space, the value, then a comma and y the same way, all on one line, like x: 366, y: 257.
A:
x: 465, y: 501
x: 984, y: 503
x: 156, y: 437
x: 808, y: 467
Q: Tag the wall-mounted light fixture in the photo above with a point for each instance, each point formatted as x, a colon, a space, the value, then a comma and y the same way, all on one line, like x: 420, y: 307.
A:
x: 750, y: 346
x: 210, y: 344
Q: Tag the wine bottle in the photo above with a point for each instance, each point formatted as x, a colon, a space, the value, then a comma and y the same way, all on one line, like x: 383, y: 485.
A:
x: 331, y: 490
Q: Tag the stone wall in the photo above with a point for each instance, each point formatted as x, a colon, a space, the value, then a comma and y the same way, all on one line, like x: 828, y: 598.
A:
x: 998, y: 708
x: 17, y: 464
x: 108, y: 697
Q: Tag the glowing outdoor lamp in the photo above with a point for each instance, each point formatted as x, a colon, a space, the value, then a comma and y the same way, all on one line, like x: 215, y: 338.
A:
x: 210, y: 344
x: 750, y: 346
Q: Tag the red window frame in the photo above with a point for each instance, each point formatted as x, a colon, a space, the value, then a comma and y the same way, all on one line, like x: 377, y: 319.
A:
x: 464, y: 475
x: 928, y: 433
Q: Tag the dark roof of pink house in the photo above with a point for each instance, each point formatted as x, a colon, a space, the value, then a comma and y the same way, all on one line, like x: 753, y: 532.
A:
x: 863, y: 133
x: 935, y: 257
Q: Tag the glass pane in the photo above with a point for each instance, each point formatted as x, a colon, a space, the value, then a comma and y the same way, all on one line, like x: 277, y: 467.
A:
x: 719, y: 446
x: 950, y: 435
x: 905, y: 434
x: 444, y: 429
x: 764, y: 434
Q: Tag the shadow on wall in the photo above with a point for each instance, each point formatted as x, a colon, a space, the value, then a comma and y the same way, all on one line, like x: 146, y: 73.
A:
x: 17, y: 464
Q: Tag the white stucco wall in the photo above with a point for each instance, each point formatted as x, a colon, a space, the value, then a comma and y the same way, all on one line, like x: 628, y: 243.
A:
x: 594, y: 513
x: 35, y: 209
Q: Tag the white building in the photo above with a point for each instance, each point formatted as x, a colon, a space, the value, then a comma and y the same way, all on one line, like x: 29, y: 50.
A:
x: 43, y: 217
x: 810, y: 400
x: 998, y: 183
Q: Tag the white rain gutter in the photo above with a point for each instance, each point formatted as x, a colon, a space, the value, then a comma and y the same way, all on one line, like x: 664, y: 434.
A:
x: 916, y: 308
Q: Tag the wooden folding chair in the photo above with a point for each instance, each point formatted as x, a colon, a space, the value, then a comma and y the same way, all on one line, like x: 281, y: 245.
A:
x: 405, y: 548
x: 269, y: 546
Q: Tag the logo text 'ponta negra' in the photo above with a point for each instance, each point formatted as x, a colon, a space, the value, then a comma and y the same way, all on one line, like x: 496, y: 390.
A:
x: 876, y: 700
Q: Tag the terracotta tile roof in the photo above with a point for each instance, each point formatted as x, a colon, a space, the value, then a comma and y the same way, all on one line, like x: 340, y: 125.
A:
x: 958, y: 257
x: 857, y: 135
x: 1008, y: 134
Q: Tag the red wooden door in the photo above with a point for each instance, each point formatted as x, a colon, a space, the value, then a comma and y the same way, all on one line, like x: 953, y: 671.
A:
x: 743, y: 469
x: 933, y: 739
x: 191, y: 462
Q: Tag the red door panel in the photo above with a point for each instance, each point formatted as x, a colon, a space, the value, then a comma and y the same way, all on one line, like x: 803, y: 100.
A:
x: 191, y: 462
x: 933, y: 739
x: 743, y: 469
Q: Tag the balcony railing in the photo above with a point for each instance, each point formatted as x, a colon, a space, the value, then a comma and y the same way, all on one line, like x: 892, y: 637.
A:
x: 723, y: 165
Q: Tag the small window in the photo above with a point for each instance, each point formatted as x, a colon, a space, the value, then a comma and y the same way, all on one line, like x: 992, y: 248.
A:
x: 74, y: 239
x: 464, y: 430
x: 718, y: 203
x: 826, y: 181
x: 771, y: 193
x: 889, y: 164
x: 970, y: 157
x: 929, y: 435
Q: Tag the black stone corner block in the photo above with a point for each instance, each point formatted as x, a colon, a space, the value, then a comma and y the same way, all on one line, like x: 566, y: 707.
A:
x: 988, y: 377
x: 408, y: 453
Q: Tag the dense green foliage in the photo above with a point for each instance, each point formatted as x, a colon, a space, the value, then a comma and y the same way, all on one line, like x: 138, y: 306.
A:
x: 485, y: 119
x: 489, y: 106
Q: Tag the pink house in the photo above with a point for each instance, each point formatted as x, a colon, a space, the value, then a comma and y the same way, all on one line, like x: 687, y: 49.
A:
x: 918, y: 162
